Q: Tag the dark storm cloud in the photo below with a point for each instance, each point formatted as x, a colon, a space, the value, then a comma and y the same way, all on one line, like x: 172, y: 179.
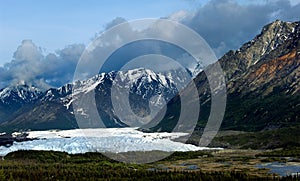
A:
x: 227, y: 24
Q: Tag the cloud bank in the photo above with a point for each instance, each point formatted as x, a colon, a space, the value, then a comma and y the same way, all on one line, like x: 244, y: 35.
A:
x: 30, y: 66
x: 224, y: 24
x: 227, y: 24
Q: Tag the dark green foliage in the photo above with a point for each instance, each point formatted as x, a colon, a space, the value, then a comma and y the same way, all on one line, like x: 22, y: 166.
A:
x: 288, y: 137
x: 56, y: 157
x: 49, y: 165
x: 187, y: 155
x: 258, y: 113
x: 245, y: 114
x: 287, y: 152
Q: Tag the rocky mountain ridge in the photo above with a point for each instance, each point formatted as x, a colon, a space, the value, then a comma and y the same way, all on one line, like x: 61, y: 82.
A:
x: 32, y: 108
x: 262, y: 80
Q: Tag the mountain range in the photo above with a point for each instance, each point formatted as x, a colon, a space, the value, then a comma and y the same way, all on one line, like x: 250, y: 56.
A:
x: 262, y: 80
x: 27, y: 107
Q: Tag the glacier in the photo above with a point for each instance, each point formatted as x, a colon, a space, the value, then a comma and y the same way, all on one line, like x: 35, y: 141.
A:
x: 111, y: 140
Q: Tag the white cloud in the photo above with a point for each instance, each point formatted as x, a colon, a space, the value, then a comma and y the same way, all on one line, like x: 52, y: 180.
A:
x: 224, y: 24
x: 179, y: 15
x: 32, y: 67
x: 28, y: 51
x: 294, y: 2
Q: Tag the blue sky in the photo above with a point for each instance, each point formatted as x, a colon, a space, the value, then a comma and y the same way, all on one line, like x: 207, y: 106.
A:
x: 62, y: 26
x: 54, y: 24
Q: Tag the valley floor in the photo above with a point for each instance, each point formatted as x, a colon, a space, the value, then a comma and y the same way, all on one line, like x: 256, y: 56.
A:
x: 197, y: 165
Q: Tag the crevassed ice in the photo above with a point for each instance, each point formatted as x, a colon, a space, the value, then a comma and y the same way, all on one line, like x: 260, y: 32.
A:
x: 101, y: 140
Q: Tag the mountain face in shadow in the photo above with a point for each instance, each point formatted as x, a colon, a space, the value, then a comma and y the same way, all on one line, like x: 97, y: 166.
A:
x: 262, y: 80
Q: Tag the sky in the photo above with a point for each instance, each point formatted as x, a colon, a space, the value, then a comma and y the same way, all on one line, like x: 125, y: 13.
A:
x: 53, y: 24
x: 41, y: 41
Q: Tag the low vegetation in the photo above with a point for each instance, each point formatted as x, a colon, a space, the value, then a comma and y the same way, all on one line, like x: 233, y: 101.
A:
x: 50, y: 165
x: 288, y: 137
x: 286, y: 152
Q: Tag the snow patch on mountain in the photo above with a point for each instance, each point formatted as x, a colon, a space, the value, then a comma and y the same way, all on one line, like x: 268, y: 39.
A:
x: 136, y: 77
x: 19, y: 93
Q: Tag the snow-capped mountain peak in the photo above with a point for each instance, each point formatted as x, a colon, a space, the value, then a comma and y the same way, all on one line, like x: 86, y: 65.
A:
x: 144, y: 75
x: 148, y: 91
x: 21, y: 93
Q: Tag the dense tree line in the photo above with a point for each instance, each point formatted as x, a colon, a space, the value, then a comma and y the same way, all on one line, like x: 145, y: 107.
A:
x: 49, y: 165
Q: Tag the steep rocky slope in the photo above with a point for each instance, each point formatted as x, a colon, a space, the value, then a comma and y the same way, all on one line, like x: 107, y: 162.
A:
x: 262, y: 79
